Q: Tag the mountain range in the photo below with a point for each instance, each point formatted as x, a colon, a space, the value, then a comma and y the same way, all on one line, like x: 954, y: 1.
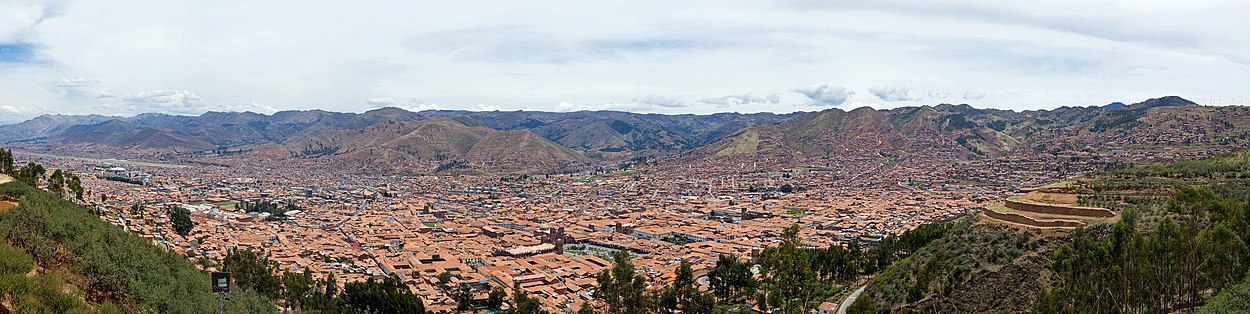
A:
x: 961, y: 131
x: 439, y: 139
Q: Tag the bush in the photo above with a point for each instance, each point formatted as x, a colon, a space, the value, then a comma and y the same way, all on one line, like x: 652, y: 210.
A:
x: 14, y: 260
x: 117, y: 266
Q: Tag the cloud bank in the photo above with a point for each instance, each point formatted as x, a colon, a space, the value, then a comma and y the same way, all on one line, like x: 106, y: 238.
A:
x: 77, y: 56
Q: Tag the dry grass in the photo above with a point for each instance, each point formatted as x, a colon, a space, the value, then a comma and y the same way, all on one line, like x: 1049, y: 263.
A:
x: 6, y: 205
x: 1051, y: 198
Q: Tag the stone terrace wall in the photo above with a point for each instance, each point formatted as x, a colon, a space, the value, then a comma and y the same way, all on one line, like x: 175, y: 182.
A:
x: 1017, y: 218
x: 1058, y: 209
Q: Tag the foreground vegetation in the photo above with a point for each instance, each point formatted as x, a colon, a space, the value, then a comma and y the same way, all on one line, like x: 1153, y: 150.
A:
x: 1179, y: 245
x: 791, y: 277
x: 58, y: 257
x: 111, y: 267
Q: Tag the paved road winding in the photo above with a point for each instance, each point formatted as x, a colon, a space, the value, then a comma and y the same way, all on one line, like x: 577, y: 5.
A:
x: 850, y: 299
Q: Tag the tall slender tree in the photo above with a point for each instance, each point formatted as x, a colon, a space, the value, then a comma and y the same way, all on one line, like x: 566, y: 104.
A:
x: 622, y: 288
x: 7, y: 165
x: 789, y: 282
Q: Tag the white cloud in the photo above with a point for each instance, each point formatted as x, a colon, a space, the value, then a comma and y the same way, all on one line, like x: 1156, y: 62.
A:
x: 18, y: 17
x: 892, y: 93
x: 666, y: 102
x: 823, y: 94
x: 406, y: 104
x: 76, y: 82
x: 180, y: 102
x: 172, y: 101
x: 565, y: 106
x: 14, y: 109
x: 265, y: 109
x: 742, y: 99
x: 973, y: 96
x: 332, y: 54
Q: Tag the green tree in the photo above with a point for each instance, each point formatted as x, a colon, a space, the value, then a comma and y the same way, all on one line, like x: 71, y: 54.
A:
x: 322, y: 297
x: 865, y: 306
x: 7, y: 164
x: 586, y: 308
x: 444, y: 278
x: 494, y: 301
x: 523, y: 303
x: 298, y: 288
x: 731, y: 280
x: 788, y: 280
x: 180, y: 220
x: 30, y: 174
x: 110, y: 264
x: 622, y: 288
x: 386, y: 296
x: 252, y: 270
x: 786, y: 188
x: 56, y: 182
x: 464, y: 297
x: 1235, y: 299
x: 682, y: 293
x: 75, y: 186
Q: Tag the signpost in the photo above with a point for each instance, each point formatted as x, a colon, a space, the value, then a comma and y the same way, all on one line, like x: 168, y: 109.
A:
x: 221, y: 286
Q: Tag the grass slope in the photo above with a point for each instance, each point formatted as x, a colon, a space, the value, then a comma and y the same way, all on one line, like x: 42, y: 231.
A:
x: 108, y: 265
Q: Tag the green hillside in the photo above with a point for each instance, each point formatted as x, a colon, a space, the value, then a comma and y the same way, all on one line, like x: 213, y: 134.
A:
x: 1180, y: 245
x: 58, y: 257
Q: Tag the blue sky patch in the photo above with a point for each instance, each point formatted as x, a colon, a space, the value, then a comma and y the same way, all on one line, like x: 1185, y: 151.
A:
x: 16, y: 53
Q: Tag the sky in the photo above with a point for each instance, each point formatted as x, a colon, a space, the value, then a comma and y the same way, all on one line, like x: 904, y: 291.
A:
x: 123, y: 57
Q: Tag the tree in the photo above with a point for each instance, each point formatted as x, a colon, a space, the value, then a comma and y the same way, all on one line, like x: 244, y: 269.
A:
x: 731, y: 280
x: 56, y: 183
x: 682, y: 293
x: 75, y: 186
x: 298, y: 288
x: 494, y: 301
x: 108, y: 264
x: 251, y: 270
x: 321, y: 298
x: 332, y: 287
x: 7, y: 165
x: 386, y: 296
x: 586, y: 309
x: 180, y: 219
x: 864, y: 305
x: 786, y: 188
x: 1233, y: 300
x: 522, y: 303
x: 30, y: 174
x: 1170, y: 268
x: 789, y: 283
x: 622, y: 288
x: 444, y: 278
x: 464, y: 297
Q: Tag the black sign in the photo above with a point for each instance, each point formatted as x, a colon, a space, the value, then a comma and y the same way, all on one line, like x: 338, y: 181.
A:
x: 221, y: 282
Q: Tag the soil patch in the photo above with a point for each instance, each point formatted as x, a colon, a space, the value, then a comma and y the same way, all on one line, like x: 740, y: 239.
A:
x: 6, y: 205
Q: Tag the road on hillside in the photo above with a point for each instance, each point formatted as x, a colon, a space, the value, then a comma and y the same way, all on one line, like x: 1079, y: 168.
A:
x: 850, y: 299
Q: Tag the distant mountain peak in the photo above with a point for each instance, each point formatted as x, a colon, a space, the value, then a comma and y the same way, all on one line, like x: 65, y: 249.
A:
x: 387, y: 110
x: 1166, y: 101
x: 863, y: 109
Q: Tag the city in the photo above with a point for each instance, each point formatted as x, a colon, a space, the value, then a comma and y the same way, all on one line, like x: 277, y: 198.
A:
x: 624, y: 157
